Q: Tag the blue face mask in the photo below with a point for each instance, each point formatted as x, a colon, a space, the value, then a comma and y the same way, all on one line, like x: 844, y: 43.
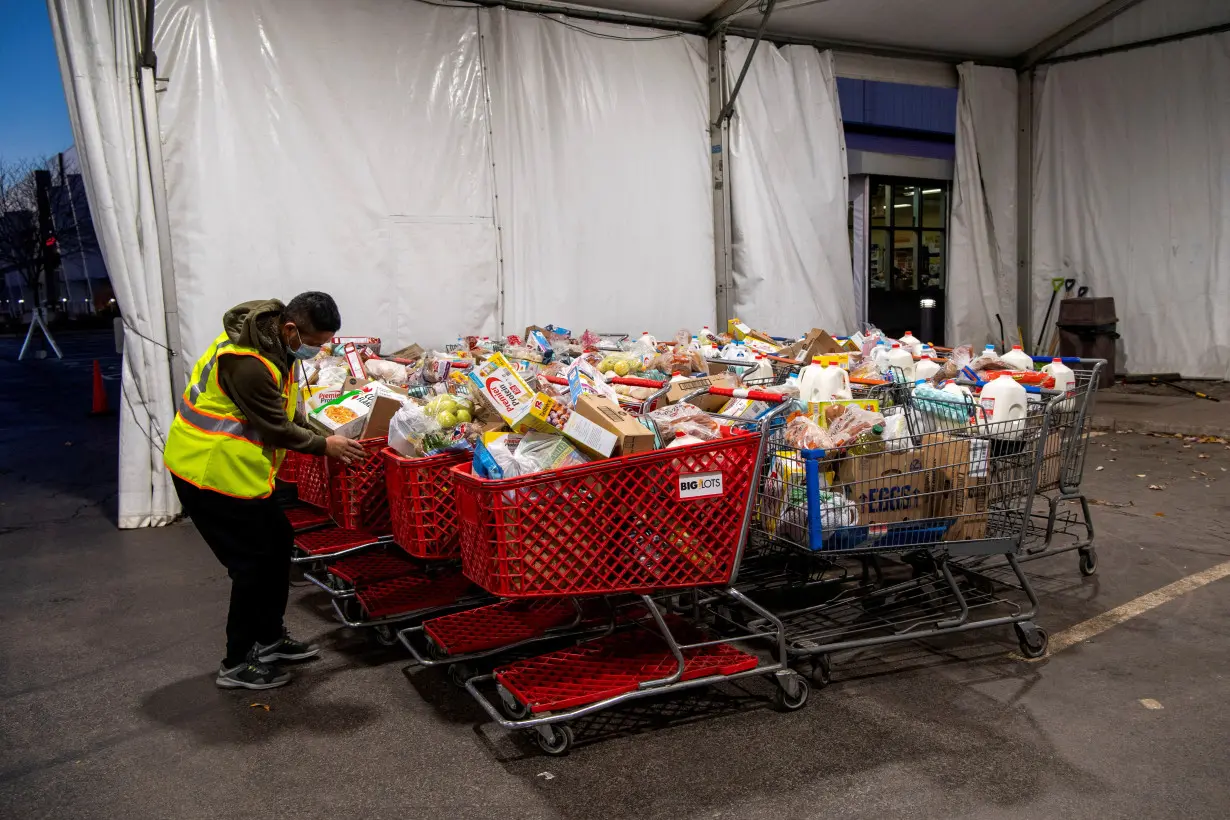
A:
x: 304, y: 352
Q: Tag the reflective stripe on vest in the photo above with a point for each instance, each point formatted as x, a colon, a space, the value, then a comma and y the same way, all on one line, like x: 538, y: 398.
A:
x: 210, y: 443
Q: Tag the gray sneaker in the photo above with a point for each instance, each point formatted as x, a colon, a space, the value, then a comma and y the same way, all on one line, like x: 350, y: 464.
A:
x: 286, y: 649
x: 251, y: 674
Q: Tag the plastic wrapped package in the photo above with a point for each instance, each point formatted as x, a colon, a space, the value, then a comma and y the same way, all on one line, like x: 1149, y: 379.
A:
x: 897, y: 433
x: 867, y: 368
x: 688, y: 418
x: 436, y: 366
x: 414, y: 433
x: 849, y: 421
x: 620, y: 364
x: 385, y: 371
x: 543, y: 451
x: 803, y: 433
x: 589, y: 340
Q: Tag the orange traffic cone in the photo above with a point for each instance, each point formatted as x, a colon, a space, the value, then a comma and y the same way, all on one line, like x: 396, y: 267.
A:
x: 100, y: 393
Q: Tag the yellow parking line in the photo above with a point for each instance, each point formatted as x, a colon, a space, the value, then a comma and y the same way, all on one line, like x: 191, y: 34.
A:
x: 1100, y: 623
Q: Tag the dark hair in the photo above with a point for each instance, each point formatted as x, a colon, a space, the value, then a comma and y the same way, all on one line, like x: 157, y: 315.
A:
x: 315, y: 312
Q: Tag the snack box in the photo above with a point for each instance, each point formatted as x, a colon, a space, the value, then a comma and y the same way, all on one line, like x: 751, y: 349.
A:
x: 499, y: 383
x: 630, y: 436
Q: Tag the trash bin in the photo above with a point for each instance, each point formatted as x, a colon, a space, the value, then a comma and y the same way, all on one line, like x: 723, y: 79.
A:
x: 1088, y: 329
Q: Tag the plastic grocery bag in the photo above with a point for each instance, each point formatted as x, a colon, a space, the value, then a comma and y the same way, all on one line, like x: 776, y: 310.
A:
x: 852, y: 421
x: 414, y: 433
x: 897, y: 433
x: 688, y: 418
x: 805, y: 434
x: 387, y: 372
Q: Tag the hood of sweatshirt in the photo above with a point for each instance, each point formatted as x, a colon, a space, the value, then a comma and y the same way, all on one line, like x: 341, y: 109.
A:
x: 259, y: 325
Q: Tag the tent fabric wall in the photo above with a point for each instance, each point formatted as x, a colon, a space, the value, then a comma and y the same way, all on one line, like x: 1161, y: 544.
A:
x: 601, y: 157
x: 310, y: 149
x: 1132, y: 198
x: 792, y: 268
x: 982, y: 269
x: 98, y: 61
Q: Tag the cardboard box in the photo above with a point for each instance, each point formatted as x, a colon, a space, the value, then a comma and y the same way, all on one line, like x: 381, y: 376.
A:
x: 679, y: 390
x: 815, y: 343
x: 499, y: 384
x: 590, y: 438
x: 542, y: 413
x: 1052, y: 461
x: 630, y: 435
x: 380, y: 404
x: 961, y: 491
x: 888, y: 487
x: 354, y: 361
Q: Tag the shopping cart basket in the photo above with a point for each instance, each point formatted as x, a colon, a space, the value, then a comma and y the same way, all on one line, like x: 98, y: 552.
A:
x: 1063, y: 464
x: 647, y: 524
x: 918, y: 501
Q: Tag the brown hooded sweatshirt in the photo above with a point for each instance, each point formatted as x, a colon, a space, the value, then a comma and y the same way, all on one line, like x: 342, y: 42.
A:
x: 247, y: 382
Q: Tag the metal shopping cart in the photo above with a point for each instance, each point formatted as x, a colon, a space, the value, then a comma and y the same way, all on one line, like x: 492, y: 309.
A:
x: 400, y: 563
x: 460, y: 640
x: 921, y: 501
x: 1068, y: 523
x: 650, y: 526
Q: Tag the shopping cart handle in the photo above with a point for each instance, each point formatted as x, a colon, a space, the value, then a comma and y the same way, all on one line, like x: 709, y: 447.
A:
x: 625, y: 380
x: 1049, y: 359
x: 742, y: 393
x: 868, y: 382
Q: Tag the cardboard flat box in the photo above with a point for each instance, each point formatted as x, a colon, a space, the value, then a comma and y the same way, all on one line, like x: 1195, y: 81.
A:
x: 381, y: 404
x: 630, y: 435
x: 1052, y: 460
x: 542, y: 413
x: 961, y: 491
x: 888, y: 487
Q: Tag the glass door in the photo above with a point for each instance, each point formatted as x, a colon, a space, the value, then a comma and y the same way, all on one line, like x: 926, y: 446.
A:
x: 907, y: 252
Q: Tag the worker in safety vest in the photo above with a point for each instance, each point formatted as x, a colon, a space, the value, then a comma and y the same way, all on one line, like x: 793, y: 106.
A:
x: 236, y: 420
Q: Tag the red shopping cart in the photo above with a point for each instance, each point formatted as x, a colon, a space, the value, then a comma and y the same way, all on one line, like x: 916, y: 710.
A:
x: 649, y: 525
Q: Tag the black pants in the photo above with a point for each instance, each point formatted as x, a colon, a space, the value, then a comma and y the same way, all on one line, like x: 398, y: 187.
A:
x: 253, y: 540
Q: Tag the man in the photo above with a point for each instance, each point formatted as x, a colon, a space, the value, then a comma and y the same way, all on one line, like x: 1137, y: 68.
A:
x: 236, y: 420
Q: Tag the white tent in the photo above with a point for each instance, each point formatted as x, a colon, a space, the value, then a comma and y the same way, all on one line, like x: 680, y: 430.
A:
x: 456, y: 167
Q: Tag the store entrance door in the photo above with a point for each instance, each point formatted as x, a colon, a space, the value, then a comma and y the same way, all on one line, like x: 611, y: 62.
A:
x: 907, y: 253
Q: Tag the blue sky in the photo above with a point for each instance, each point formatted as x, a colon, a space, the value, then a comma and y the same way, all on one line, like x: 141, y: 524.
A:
x: 33, y: 116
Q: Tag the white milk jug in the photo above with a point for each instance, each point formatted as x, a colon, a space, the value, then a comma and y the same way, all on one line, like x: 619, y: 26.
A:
x: 911, y: 343
x: 762, y: 370
x: 1003, y: 406
x: 1018, y: 359
x: 1065, y: 380
x: 900, y: 359
x: 927, y: 368
x: 820, y: 383
x: 648, y: 340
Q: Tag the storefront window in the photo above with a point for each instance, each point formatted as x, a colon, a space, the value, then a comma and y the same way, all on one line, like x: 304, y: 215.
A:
x: 934, y: 208
x: 878, y: 265
x: 905, y: 206
x: 879, y: 205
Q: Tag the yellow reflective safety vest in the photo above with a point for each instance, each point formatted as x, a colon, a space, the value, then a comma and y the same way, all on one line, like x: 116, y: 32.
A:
x: 211, y: 444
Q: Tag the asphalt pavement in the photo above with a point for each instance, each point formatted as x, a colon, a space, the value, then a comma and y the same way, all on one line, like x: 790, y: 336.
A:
x: 111, y: 639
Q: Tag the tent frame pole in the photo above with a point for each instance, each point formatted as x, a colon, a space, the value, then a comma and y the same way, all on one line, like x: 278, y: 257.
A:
x: 719, y: 138
x: 1024, y: 203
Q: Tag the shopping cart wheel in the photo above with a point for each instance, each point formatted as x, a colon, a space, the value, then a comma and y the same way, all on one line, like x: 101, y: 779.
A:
x: 815, y: 668
x: 1033, y: 639
x: 1089, y: 561
x: 512, y: 707
x: 792, y: 691
x: 554, y: 739
x: 458, y: 674
x: 385, y: 636
x: 434, y: 652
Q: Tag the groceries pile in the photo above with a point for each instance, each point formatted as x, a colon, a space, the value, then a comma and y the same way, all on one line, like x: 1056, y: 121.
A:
x: 525, y: 404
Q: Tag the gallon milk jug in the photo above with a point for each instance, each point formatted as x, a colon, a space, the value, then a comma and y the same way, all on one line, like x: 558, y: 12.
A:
x: 1003, y: 406
x: 900, y: 359
x: 648, y: 340
x: 990, y: 350
x: 1065, y: 380
x: 928, y: 367
x: 820, y: 383
x: 762, y: 370
x: 1018, y: 359
x: 911, y: 343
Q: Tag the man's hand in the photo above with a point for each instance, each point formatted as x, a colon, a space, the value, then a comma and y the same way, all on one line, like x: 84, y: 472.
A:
x: 344, y: 449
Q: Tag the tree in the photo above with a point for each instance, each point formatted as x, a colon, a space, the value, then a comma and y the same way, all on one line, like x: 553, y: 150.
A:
x: 32, y: 241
